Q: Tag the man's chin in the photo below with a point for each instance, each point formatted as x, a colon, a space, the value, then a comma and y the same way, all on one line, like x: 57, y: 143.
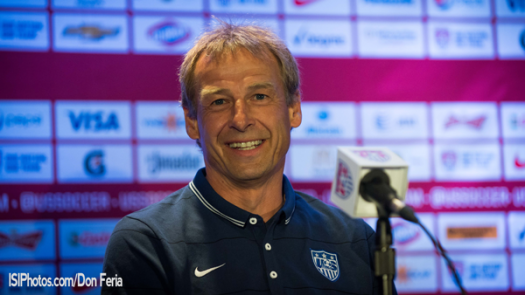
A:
x: 249, y: 173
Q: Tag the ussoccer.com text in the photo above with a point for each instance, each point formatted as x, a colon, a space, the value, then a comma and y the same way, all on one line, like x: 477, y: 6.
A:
x: 80, y: 280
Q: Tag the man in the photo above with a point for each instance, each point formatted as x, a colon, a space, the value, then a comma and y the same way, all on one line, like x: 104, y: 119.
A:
x: 239, y: 227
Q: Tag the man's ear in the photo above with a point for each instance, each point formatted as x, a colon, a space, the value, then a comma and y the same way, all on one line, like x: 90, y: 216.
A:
x: 296, y: 116
x: 192, y: 126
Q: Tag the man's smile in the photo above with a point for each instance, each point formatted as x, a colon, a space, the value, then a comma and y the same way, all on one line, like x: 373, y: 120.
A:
x: 246, y: 145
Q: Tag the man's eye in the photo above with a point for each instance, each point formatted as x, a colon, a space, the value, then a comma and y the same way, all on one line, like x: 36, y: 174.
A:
x: 260, y: 96
x: 218, y: 102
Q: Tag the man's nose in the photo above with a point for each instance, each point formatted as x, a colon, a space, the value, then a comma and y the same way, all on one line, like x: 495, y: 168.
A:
x: 241, y: 115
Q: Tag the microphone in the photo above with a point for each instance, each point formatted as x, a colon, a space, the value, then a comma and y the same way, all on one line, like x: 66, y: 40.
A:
x: 372, y: 181
x: 375, y: 187
x: 369, y: 176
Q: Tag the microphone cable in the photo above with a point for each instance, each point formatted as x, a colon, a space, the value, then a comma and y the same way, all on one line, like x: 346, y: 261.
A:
x: 375, y: 188
x: 443, y: 253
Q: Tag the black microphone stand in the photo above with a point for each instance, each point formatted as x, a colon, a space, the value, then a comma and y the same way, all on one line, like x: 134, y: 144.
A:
x: 375, y: 188
x: 385, y: 256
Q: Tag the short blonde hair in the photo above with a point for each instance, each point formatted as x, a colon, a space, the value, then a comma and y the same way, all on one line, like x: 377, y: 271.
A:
x: 227, y: 37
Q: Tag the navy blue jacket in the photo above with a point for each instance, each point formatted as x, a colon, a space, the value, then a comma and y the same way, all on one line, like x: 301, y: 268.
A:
x: 195, y: 242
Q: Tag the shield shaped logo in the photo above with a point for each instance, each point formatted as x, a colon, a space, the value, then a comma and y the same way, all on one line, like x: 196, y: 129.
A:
x: 344, y: 186
x: 326, y: 263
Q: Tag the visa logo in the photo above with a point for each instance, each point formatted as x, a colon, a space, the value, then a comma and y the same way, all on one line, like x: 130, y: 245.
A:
x: 94, y: 121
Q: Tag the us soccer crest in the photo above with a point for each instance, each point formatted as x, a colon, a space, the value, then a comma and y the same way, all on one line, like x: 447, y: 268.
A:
x: 326, y: 263
x: 344, y: 186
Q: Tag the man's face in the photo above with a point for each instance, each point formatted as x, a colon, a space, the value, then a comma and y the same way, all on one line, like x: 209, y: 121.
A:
x: 243, y: 122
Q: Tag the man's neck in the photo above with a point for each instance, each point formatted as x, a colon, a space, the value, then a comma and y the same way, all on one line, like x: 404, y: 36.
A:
x: 263, y: 198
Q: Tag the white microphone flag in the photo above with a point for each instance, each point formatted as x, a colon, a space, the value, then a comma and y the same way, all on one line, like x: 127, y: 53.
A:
x: 353, y: 163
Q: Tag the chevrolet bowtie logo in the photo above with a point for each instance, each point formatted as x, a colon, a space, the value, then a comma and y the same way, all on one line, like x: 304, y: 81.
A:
x: 26, y: 241
x: 90, y: 32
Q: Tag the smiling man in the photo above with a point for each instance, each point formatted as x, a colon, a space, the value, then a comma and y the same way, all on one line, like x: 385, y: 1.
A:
x: 243, y: 122
x: 239, y: 227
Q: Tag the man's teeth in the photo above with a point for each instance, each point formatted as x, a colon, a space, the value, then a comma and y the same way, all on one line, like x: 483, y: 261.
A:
x: 243, y: 146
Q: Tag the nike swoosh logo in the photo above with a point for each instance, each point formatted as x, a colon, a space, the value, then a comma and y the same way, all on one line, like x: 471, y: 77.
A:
x: 518, y: 163
x: 303, y: 2
x: 200, y: 274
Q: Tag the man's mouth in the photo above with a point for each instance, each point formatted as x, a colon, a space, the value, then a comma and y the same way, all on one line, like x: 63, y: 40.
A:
x: 245, y: 146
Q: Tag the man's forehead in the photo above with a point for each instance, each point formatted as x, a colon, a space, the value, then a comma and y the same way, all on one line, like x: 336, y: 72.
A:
x: 217, y: 67
x: 227, y: 56
x: 210, y: 90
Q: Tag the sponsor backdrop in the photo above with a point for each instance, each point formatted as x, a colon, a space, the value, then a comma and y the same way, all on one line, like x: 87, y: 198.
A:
x: 90, y: 129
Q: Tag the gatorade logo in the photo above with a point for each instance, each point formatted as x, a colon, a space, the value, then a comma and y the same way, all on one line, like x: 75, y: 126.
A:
x: 474, y: 232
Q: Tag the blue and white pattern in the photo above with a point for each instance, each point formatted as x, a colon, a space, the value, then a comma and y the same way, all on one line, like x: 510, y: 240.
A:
x: 326, y: 263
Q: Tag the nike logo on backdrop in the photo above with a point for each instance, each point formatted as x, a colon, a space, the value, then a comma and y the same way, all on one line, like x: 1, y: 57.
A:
x: 200, y: 274
x: 518, y: 163
x: 304, y: 2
